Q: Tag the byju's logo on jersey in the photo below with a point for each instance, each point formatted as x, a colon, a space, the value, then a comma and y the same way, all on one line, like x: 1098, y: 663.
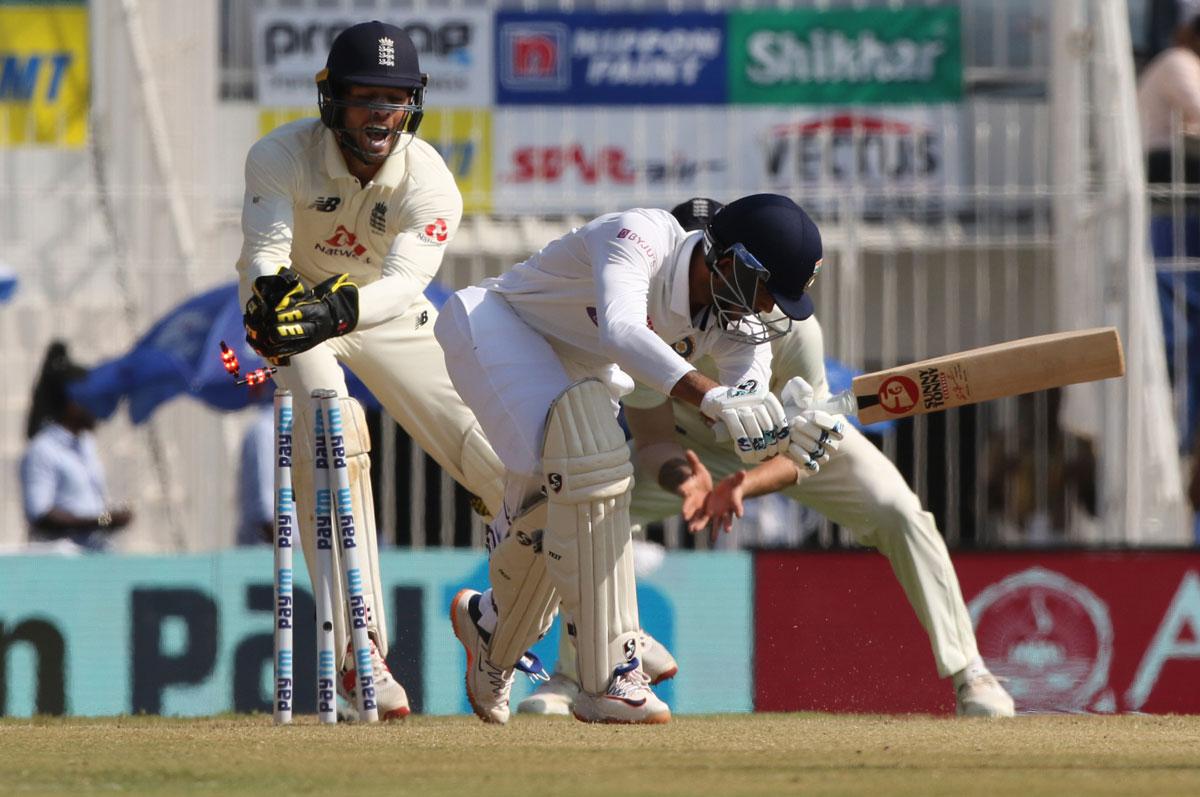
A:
x: 535, y: 56
x: 342, y: 243
x: 326, y: 204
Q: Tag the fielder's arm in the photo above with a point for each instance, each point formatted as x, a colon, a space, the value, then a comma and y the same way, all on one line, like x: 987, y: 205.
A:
x: 725, y: 500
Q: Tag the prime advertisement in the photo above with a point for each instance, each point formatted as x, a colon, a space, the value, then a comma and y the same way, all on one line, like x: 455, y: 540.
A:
x: 610, y: 59
x: 846, y: 56
x: 191, y: 635
x: 44, y: 76
x: 1067, y: 631
x: 454, y: 48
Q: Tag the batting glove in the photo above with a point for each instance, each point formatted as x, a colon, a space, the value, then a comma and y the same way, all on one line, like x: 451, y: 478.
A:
x: 815, y: 434
x: 753, y: 416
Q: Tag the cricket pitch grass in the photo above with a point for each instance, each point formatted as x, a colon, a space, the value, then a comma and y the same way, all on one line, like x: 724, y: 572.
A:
x: 764, y: 754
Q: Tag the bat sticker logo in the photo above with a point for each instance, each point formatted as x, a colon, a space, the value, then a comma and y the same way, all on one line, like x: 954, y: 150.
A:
x: 898, y: 394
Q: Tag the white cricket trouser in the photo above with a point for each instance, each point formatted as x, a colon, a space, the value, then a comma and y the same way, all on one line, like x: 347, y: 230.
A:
x: 859, y: 489
x: 402, y: 365
x: 509, y: 375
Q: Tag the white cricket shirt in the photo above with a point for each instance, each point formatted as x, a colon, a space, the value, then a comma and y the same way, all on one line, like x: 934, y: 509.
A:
x: 303, y: 208
x: 616, y: 291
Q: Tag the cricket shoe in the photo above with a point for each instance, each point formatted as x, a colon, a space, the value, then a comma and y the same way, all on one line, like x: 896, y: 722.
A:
x: 628, y: 700
x: 390, y: 696
x: 488, y: 685
x: 553, y: 698
x: 983, y: 696
x: 657, y: 661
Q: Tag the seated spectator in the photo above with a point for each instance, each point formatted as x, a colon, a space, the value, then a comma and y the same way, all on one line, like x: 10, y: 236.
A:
x: 62, y: 479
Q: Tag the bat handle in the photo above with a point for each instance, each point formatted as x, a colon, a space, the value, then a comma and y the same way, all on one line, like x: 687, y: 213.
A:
x: 843, y: 403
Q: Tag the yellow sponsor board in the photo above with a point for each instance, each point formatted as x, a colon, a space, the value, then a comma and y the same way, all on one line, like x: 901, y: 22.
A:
x: 44, y: 75
x: 462, y: 135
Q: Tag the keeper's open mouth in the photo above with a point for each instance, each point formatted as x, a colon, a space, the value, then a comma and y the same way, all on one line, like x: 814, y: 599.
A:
x: 377, y: 134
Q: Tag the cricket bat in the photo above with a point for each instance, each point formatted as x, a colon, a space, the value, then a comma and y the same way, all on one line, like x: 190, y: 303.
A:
x: 969, y: 377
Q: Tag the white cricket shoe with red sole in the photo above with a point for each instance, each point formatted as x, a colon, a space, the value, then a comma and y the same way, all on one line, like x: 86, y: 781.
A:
x: 627, y: 701
x: 390, y: 696
x: 488, y: 686
x: 553, y: 698
x: 657, y: 661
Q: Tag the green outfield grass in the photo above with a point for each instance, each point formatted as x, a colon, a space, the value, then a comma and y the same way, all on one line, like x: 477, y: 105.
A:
x: 535, y: 757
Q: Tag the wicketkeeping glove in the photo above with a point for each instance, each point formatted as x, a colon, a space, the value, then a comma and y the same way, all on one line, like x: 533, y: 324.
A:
x: 815, y: 434
x: 282, y: 318
x: 753, y: 416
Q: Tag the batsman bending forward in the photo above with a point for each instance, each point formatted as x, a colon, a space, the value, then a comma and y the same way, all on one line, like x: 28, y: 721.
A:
x: 858, y: 488
x: 357, y: 206
x: 543, y: 353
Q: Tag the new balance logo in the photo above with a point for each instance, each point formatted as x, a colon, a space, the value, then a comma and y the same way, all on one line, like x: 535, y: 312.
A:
x: 422, y: 319
x: 326, y: 204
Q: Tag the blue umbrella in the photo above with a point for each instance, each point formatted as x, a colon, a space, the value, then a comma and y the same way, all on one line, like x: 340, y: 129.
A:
x: 8, y: 283
x: 180, y: 355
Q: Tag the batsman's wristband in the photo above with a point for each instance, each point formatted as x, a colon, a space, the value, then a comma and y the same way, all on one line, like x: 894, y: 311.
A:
x: 104, y: 520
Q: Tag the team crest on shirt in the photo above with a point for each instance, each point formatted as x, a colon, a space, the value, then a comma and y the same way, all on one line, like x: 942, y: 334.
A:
x: 379, y: 217
x: 342, y: 243
x: 685, y: 348
x: 435, y: 233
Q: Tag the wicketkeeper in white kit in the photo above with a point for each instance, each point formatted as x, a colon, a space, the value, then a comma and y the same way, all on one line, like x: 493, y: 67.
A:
x: 346, y: 219
x: 858, y: 488
x: 543, y: 353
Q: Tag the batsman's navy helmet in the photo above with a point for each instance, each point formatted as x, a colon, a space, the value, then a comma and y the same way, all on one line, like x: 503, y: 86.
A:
x: 370, y: 54
x: 781, y: 237
x: 695, y: 213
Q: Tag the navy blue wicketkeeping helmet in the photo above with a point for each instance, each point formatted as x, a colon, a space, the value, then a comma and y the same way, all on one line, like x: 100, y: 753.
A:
x: 370, y: 54
x: 774, y: 246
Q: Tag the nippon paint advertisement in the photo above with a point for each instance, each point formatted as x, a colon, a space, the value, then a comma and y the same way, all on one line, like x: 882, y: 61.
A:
x: 610, y: 59
x: 453, y: 47
x: 1067, y: 631
x: 192, y: 635
x: 44, y: 74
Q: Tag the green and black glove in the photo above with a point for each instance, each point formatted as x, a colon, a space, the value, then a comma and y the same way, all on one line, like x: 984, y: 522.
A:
x: 283, y: 319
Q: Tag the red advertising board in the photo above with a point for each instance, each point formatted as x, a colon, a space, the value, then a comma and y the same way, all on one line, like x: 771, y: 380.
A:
x: 1071, y: 631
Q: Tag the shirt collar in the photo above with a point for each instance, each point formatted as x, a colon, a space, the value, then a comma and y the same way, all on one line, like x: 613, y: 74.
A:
x: 60, y: 434
x: 680, y: 299
x: 389, y: 175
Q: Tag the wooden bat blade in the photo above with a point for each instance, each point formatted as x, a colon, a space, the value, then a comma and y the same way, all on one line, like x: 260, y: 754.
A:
x: 1004, y: 369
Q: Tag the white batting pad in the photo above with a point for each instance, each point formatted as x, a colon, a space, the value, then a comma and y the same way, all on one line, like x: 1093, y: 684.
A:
x: 526, y: 600
x: 589, y: 553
